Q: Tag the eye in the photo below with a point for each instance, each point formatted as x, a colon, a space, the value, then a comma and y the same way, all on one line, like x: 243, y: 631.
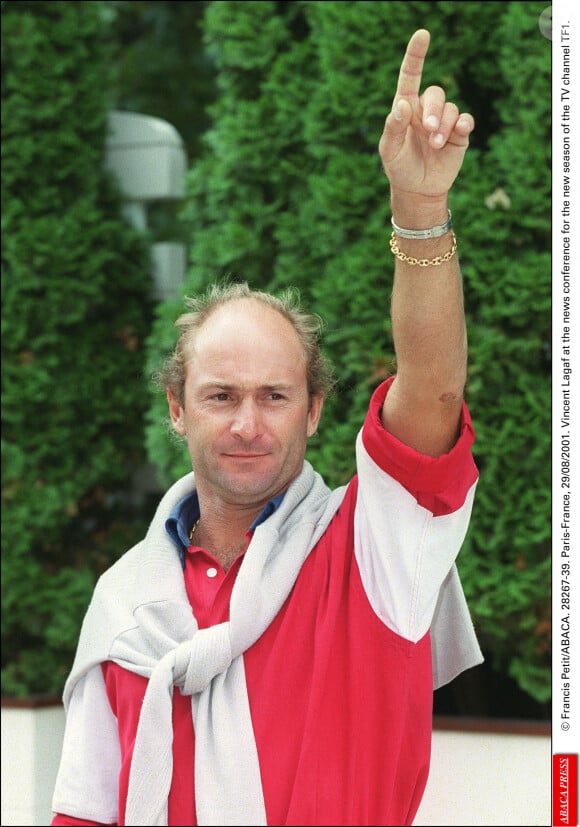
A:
x: 221, y: 397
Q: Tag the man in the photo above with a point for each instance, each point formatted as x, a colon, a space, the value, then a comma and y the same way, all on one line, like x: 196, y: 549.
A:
x: 267, y: 654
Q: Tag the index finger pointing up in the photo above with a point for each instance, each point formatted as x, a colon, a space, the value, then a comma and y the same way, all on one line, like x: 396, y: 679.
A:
x: 411, y: 70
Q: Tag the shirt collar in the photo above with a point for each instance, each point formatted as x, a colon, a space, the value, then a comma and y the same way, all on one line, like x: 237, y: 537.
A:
x: 186, y: 512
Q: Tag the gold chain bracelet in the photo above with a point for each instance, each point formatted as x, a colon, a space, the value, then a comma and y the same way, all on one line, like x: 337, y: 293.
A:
x: 422, y: 262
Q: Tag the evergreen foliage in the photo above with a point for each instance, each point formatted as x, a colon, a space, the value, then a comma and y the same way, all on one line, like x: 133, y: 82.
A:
x: 75, y: 314
x: 290, y: 191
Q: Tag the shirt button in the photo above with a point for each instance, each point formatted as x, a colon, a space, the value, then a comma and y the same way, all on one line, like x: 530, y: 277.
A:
x: 211, y: 572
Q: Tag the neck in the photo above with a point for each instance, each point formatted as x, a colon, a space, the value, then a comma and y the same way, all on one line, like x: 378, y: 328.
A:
x: 225, y: 540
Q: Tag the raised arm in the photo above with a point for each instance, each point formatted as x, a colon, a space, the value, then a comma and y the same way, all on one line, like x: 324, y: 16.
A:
x: 422, y: 149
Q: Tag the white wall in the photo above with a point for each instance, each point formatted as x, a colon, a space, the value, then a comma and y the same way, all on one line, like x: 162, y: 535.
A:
x: 31, y: 743
x: 477, y: 778
x: 480, y: 778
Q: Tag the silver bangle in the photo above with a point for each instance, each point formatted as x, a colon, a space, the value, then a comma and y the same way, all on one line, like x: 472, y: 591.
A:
x: 432, y: 232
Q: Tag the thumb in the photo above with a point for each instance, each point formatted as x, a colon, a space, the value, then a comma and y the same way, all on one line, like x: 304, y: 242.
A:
x: 396, y: 124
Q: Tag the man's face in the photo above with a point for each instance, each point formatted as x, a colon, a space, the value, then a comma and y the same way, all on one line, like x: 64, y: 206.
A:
x: 247, y: 414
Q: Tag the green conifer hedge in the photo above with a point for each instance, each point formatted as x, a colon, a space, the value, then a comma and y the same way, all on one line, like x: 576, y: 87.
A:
x: 288, y: 191
x: 76, y: 309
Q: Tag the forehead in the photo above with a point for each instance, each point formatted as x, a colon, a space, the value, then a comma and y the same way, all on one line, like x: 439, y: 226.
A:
x: 246, y: 337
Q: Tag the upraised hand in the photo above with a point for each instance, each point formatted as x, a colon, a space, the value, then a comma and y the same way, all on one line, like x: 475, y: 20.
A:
x: 425, y: 136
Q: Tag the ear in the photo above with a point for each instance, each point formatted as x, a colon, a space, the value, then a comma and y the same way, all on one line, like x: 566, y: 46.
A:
x: 314, y: 413
x: 175, y: 413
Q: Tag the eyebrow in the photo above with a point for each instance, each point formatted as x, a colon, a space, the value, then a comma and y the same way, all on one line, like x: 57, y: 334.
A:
x: 227, y: 386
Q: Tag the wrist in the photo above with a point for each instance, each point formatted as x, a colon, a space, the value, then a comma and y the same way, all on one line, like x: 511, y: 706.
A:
x: 418, y: 212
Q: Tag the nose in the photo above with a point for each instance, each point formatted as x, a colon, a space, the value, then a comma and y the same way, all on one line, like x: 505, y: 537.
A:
x: 246, y: 420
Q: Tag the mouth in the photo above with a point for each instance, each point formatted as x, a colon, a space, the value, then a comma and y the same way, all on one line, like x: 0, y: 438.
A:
x: 245, y: 455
